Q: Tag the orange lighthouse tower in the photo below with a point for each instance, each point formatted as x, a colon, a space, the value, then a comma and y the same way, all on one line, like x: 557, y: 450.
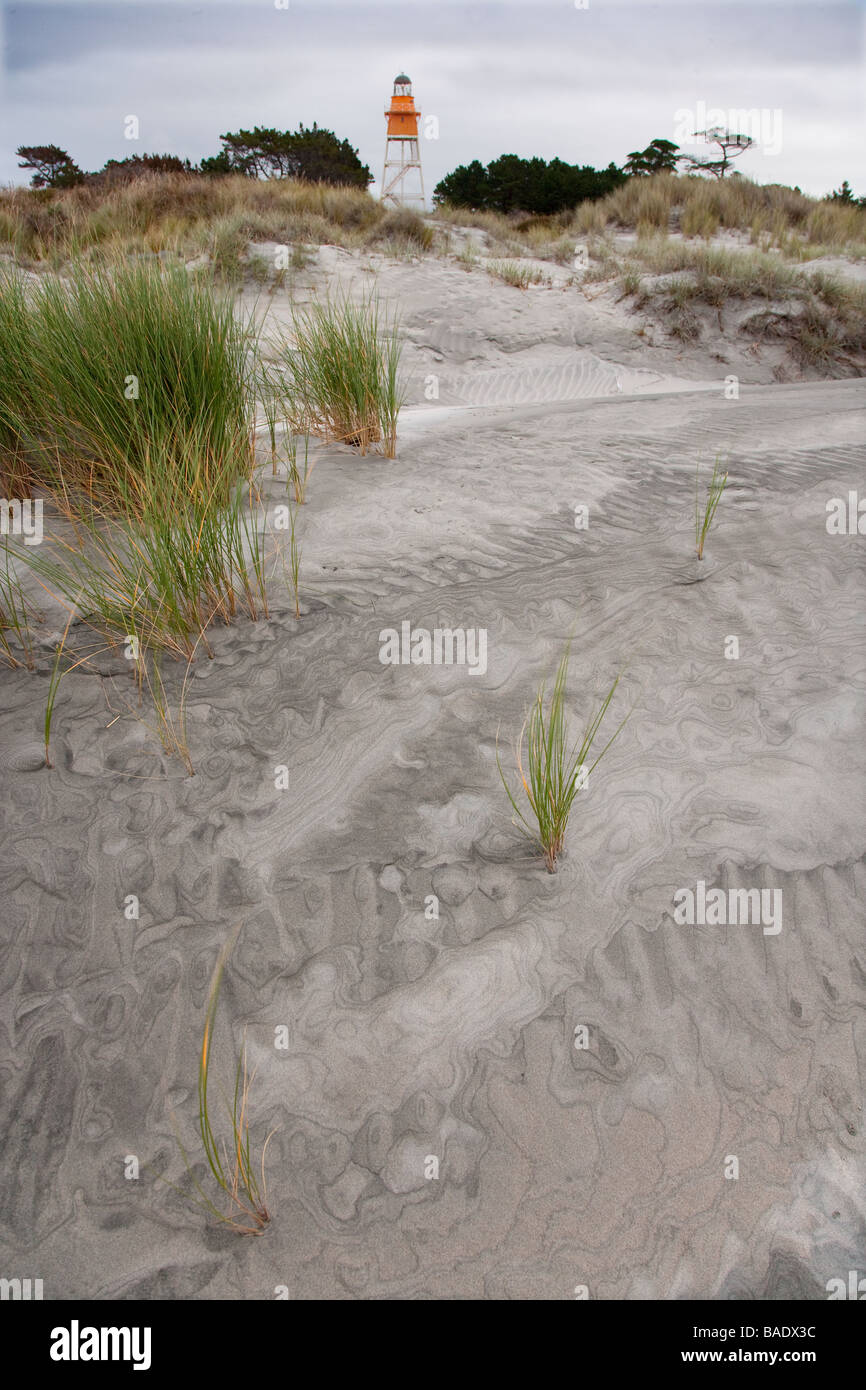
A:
x: 402, y: 181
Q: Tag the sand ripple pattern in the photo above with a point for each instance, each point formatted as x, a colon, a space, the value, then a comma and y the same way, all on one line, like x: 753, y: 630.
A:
x: 584, y: 376
x: 453, y: 1037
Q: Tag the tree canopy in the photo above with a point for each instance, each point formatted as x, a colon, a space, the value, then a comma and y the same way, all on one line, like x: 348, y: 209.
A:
x: 729, y: 142
x: 307, y: 153
x: 511, y: 183
x: 845, y: 196
x: 116, y: 171
x: 660, y: 156
x: 53, y: 167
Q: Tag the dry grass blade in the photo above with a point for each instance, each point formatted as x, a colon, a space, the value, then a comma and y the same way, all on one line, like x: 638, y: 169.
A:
x: 14, y: 618
x: 230, y: 1165
x: 296, y: 479
x: 295, y: 563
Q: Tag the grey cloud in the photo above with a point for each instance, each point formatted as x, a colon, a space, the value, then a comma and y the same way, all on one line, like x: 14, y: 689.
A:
x: 532, y: 78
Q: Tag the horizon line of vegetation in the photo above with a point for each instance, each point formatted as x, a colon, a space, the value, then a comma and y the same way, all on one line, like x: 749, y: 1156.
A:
x: 316, y: 155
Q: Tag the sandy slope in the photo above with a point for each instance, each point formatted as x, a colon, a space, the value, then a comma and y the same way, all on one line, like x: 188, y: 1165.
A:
x: 454, y: 1037
x: 489, y: 343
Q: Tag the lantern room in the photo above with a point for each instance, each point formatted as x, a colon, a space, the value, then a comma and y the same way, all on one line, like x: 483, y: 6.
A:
x: 402, y: 113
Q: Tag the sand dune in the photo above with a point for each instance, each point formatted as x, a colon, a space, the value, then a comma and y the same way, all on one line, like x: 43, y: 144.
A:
x: 454, y: 1037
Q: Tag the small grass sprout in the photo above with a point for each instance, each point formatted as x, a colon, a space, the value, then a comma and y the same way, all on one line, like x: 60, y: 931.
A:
x: 171, y: 732
x: 54, y: 680
x: 714, y: 494
x: 296, y: 480
x: 294, y: 562
x: 243, y: 1187
x: 551, y: 775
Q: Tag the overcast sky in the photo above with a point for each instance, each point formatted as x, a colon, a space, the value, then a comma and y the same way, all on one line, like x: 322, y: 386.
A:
x: 538, y: 77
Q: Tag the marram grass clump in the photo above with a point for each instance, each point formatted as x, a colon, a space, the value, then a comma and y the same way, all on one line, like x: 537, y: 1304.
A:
x: 551, y: 773
x: 182, y: 215
x: 127, y: 398
x: 342, y: 378
x: 111, y: 374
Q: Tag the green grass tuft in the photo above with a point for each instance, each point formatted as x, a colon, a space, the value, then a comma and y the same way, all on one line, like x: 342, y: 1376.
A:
x: 551, y: 775
x: 342, y: 374
x: 115, y: 370
x: 520, y: 276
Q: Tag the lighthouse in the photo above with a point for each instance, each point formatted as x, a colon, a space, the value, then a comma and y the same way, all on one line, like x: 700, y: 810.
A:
x: 402, y: 181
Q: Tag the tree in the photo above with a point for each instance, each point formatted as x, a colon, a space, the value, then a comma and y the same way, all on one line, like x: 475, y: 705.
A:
x: 54, y: 168
x: 514, y: 183
x: 659, y: 157
x: 317, y: 155
x: 465, y: 187
x: 312, y: 154
x: 216, y: 165
x: 589, y: 184
x: 122, y: 171
x: 845, y: 195
x: 511, y: 184
x: 726, y: 141
x: 259, y: 153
